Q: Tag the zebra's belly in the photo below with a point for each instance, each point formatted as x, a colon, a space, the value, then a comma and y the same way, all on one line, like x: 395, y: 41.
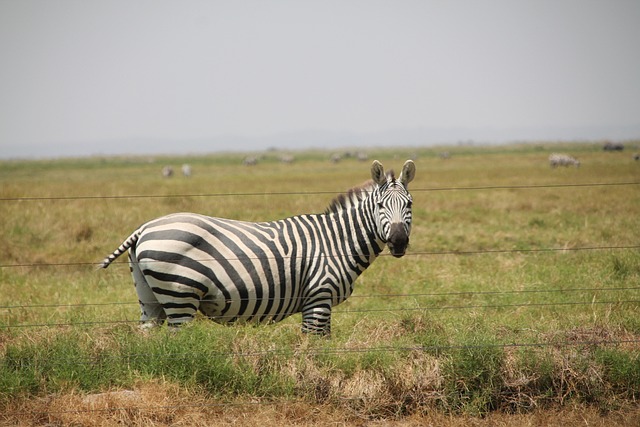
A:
x: 227, y: 312
x: 247, y: 300
x: 256, y: 296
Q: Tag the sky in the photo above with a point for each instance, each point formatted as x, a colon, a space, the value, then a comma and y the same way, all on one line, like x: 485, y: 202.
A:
x: 118, y: 77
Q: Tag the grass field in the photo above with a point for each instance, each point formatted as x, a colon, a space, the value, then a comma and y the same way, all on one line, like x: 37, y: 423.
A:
x: 517, y: 302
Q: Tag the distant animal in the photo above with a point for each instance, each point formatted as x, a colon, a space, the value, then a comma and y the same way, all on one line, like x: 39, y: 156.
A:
x: 335, y: 158
x: 566, y: 160
x: 186, y: 170
x: 636, y: 156
x: 264, y: 272
x: 362, y: 156
x: 613, y: 146
x: 287, y: 158
x: 167, y: 172
x: 250, y: 161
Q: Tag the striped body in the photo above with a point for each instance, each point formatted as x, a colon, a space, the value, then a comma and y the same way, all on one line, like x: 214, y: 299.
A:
x: 264, y: 272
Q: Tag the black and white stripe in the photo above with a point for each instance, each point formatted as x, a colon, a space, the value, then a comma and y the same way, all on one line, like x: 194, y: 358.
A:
x: 263, y: 272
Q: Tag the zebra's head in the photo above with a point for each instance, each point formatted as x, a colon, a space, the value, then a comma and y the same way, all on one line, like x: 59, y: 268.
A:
x: 393, y: 206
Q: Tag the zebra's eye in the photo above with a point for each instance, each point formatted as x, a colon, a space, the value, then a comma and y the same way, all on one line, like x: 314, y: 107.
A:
x: 409, y: 204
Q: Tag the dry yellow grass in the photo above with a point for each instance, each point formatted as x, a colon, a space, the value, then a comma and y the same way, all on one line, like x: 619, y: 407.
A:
x: 155, y: 404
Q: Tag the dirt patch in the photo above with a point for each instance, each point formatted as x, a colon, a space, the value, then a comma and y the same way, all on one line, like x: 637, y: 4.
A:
x: 155, y: 404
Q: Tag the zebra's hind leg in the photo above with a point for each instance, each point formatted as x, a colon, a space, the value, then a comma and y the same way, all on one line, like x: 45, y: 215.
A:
x: 151, y: 311
x: 316, y: 319
x: 178, y: 302
x: 179, y: 309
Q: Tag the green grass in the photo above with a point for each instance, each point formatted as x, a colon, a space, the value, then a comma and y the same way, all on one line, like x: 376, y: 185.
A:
x: 478, y: 317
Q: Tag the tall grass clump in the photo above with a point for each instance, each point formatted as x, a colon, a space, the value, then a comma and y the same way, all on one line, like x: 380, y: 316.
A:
x: 58, y: 362
x: 218, y: 362
x: 473, y: 376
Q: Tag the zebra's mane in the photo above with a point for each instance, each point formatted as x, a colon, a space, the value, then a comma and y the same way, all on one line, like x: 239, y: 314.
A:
x: 354, y: 196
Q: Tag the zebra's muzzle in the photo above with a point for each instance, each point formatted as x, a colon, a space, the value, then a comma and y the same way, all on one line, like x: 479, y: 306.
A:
x: 398, y: 240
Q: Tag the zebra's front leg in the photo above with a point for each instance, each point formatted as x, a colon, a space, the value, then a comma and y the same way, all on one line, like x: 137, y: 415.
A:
x: 316, y: 318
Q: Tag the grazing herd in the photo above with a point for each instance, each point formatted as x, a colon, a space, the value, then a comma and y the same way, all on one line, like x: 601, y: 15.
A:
x: 167, y: 171
x: 556, y: 160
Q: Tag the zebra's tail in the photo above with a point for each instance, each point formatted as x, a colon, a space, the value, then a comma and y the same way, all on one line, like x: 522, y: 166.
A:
x: 124, y: 247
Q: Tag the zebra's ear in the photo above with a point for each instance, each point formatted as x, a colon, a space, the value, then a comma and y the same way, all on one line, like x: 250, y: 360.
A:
x: 377, y: 173
x: 408, y: 172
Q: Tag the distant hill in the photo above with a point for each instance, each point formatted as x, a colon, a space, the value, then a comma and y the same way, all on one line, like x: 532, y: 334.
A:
x: 323, y: 140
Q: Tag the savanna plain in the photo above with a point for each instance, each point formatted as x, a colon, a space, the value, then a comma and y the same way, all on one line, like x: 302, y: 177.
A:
x: 518, y: 302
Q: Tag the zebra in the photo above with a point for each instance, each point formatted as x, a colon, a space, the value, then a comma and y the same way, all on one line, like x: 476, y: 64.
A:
x: 556, y: 160
x: 250, y: 161
x: 362, y: 156
x: 287, y: 158
x: 236, y: 271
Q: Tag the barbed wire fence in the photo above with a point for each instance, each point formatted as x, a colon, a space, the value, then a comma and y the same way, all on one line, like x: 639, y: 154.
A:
x: 93, y: 264
x: 630, y: 302
x: 312, y: 193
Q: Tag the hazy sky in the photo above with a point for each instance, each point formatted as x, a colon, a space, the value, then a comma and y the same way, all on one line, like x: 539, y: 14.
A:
x: 103, y: 77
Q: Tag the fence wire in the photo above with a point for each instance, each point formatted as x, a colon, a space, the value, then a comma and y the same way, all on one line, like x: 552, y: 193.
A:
x: 97, y: 264
x: 321, y: 352
x: 351, y: 298
x: 342, y: 311
x: 308, y: 193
